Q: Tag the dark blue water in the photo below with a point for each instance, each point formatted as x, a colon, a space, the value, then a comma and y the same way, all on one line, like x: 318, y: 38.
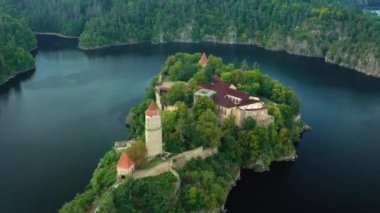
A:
x: 57, y: 122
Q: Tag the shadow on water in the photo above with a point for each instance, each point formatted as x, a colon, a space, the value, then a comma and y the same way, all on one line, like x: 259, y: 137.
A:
x: 15, y: 83
x: 55, y: 43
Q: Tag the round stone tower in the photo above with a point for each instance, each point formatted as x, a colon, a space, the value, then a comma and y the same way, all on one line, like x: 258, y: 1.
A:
x: 153, y: 130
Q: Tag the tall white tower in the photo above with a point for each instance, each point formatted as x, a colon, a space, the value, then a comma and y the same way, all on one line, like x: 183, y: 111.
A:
x: 153, y: 130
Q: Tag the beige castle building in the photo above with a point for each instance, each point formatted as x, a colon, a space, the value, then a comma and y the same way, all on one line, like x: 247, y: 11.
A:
x: 231, y: 101
x: 153, y: 131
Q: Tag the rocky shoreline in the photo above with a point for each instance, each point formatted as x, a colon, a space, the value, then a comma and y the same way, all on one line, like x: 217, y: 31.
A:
x: 56, y: 34
x: 232, y: 184
x: 289, y: 158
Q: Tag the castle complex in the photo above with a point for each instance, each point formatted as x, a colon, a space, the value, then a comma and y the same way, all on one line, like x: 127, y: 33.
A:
x: 230, y: 101
x: 153, y: 130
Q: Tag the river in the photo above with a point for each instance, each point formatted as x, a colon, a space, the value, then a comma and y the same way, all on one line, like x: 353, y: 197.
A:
x: 373, y: 9
x: 56, y: 122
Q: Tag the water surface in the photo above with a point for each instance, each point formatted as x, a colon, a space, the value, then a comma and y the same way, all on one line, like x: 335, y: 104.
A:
x: 57, y: 122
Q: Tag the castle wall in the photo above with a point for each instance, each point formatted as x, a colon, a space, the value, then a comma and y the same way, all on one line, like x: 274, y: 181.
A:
x: 238, y: 117
x: 180, y: 160
x: 261, y: 116
x: 158, y: 97
x: 224, y: 112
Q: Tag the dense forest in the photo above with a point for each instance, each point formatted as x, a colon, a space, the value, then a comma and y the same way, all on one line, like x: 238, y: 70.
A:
x: 16, y: 42
x: 204, y: 184
x: 337, y: 30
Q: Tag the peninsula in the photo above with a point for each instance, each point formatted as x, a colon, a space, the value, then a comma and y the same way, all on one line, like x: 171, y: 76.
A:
x: 200, y: 122
x: 16, y: 42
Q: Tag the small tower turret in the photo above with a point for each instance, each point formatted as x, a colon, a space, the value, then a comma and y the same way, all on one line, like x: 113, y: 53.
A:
x: 203, y: 61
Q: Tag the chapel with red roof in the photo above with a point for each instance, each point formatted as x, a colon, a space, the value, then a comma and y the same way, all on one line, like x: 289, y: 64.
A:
x: 125, y: 166
x: 231, y: 101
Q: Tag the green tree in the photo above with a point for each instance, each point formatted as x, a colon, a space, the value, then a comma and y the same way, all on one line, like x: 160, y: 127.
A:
x: 249, y: 123
x: 208, y: 130
x: 138, y: 153
x: 202, y: 104
x: 178, y: 92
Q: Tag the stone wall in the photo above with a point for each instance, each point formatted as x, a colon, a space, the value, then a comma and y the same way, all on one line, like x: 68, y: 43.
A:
x: 180, y: 160
x: 261, y: 116
x: 176, y: 162
x: 157, y: 170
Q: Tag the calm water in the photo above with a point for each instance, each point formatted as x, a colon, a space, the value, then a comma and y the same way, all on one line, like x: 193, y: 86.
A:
x: 373, y: 9
x: 57, y: 122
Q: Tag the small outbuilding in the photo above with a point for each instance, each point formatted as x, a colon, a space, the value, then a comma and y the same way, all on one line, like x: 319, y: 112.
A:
x: 125, y: 166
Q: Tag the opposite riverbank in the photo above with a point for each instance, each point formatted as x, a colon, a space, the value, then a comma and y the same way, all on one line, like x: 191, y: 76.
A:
x: 373, y: 72
x: 56, y: 34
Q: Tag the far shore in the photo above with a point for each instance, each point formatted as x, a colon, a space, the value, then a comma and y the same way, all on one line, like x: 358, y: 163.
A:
x: 56, y: 34
x: 86, y: 48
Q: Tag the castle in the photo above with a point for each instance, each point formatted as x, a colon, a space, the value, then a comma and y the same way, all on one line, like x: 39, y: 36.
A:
x: 153, y: 141
x: 231, y: 101
x: 153, y: 130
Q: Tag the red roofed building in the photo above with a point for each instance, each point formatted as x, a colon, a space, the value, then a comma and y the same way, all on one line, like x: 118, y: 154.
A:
x: 203, y: 61
x: 152, y: 110
x: 231, y: 101
x: 125, y: 166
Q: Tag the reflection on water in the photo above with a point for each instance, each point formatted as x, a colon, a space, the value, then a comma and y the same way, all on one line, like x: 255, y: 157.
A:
x: 15, y: 83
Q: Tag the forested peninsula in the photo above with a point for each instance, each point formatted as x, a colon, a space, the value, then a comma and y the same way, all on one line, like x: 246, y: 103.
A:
x: 336, y: 30
x: 188, y: 123
x: 16, y: 42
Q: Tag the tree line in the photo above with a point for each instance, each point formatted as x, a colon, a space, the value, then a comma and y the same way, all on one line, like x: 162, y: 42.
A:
x: 337, y: 30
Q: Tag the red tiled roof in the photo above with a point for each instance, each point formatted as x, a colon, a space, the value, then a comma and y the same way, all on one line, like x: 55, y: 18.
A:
x: 124, y: 161
x: 216, y: 78
x: 162, y: 88
x: 203, y: 60
x: 223, y: 89
x: 152, y: 110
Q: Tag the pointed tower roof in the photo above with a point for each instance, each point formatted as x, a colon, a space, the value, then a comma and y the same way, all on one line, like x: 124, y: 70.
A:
x: 125, y: 161
x: 152, y: 110
x: 203, y: 60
